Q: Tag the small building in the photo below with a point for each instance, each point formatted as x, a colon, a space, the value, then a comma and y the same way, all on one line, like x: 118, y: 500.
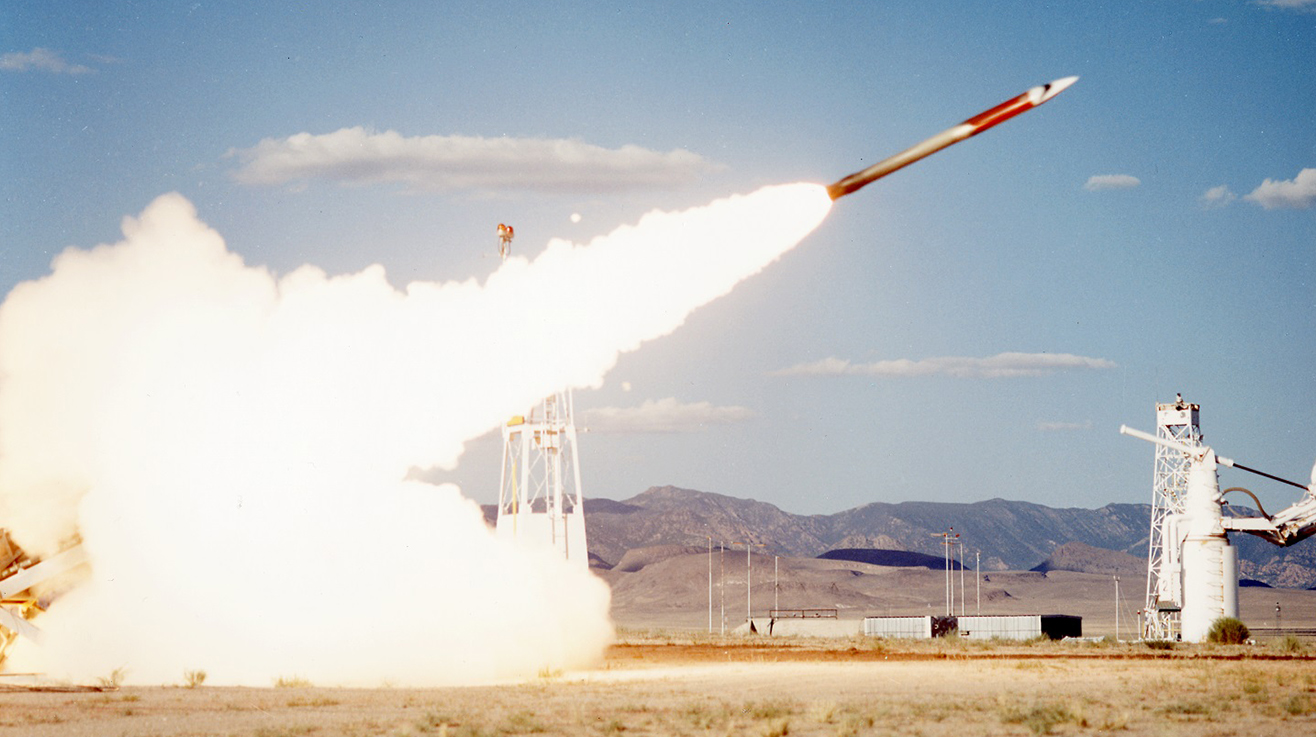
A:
x: 1001, y: 627
x: 908, y: 627
x: 1021, y: 626
x: 925, y: 627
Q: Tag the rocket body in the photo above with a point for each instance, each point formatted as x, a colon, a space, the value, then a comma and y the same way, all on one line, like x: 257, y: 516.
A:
x: 969, y: 128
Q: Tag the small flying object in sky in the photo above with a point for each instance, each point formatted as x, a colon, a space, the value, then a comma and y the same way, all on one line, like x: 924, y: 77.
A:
x: 505, y: 234
x: 971, y: 127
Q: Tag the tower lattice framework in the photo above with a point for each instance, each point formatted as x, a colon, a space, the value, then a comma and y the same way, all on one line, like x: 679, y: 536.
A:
x: 1174, y: 421
x: 539, y: 499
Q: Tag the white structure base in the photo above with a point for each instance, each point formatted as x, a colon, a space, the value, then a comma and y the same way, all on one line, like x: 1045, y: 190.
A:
x: 563, y: 533
x: 1210, y: 584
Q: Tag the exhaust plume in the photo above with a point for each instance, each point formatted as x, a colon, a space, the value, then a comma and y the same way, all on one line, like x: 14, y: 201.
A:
x: 233, y: 447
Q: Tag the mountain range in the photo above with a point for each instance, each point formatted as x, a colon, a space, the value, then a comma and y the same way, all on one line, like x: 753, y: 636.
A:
x: 993, y: 535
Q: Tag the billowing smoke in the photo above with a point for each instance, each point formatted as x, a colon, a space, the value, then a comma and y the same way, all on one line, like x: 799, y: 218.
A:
x: 233, y: 447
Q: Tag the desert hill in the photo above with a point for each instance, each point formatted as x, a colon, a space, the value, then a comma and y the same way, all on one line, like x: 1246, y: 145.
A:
x: 1083, y: 558
x: 1010, y: 535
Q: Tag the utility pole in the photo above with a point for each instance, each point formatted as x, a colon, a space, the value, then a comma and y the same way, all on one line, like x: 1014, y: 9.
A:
x: 749, y: 606
x: 947, y: 539
x: 722, y: 584
x: 1117, y: 608
x: 962, y: 595
x: 776, y: 584
x: 977, y: 574
x: 710, y: 585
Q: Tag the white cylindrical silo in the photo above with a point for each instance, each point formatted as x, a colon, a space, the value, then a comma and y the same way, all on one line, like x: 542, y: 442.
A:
x: 1231, y: 581
x: 1203, y: 585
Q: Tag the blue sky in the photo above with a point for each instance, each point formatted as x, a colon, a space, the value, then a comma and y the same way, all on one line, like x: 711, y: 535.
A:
x: 1157, y: 221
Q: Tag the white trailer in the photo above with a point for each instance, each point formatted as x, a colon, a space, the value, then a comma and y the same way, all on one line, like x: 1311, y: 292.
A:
x: 1020, y: 626
x: 919, y: 628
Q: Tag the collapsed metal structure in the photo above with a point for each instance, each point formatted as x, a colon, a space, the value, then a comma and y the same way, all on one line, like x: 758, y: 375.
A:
x: 22, y: 579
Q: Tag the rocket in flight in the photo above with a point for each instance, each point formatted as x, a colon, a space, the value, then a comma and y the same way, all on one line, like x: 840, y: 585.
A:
x: 971, y: 127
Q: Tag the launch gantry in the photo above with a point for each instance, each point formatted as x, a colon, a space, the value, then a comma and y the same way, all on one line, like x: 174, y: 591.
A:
x: 1177, y: 421
x: 1193, y: 568
x: 539, y: 498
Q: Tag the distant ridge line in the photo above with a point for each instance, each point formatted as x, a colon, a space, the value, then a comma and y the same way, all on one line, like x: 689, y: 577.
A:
x: 1007, y: 535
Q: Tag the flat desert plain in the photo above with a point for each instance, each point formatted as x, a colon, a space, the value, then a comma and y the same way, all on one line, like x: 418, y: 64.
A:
x: 695, y: 685
x: 666, y: 675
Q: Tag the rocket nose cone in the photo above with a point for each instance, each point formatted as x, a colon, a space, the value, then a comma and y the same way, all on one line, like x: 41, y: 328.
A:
x: 1056, y: 87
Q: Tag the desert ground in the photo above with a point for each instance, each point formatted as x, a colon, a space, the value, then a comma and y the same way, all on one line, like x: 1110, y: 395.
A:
x: 694, y: 685
x: 674, y: 593
x: 666, y: 675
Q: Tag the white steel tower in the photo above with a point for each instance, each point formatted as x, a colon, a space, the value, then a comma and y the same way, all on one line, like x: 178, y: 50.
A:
x: 539, y: 500
x: 1195, y: 550
x: 1177, y: 421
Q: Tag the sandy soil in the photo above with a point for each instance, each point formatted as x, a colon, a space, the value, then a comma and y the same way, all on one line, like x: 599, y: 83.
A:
x: 658, y: 685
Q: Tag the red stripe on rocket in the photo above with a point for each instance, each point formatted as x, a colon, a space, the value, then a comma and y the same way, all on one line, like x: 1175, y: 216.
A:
x: 971, y: 127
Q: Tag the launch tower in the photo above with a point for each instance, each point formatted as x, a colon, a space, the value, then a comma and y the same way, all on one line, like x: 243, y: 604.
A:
x: 539, y: 498
x: 1177, y: 421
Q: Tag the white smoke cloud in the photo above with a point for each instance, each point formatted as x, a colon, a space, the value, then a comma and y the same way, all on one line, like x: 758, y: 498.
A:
x: 233, y: 447
x: 663, y: 416
x: 356, y: 156
x: 1000, y: 366
x: 1100, y: 182
x: 1298, y: 193
x: 42, y: 60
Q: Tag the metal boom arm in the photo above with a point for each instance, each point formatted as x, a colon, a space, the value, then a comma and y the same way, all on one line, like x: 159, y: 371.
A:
x: 1292, y: 525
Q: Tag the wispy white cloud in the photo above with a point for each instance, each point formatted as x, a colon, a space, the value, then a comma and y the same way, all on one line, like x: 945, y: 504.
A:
x: 1298, y: 193
x: 1099, y: 182
x: 1000, y: 366
x: 1217, y: 197
x: 662, y: 416
x: 1048, y: 426
x: 41, y: 60
x: 358, y: 156
x: 1308, y: 6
